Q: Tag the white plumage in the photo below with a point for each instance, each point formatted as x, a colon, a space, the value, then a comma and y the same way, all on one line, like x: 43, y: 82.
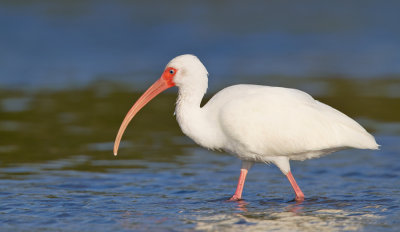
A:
x: 258, y: 123
x: 261, y: 122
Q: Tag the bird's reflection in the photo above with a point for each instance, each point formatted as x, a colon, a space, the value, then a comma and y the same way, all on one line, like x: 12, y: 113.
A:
x: 296, y: 207
x: 241, y: 205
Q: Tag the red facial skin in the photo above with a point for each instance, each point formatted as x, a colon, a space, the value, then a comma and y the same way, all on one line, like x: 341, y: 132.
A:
x: 168, y: 76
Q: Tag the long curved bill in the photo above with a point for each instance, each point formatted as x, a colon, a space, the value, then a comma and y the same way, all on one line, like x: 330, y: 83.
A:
x: 159, y: 86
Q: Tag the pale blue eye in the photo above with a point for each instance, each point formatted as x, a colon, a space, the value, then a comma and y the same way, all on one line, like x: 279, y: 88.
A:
x: 171, y: 71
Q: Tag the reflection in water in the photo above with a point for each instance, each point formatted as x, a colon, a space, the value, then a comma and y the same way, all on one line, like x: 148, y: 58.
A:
x: 241, y: 205
x: 295, y: 208
x: 294, y: 217
x: 57, y: 169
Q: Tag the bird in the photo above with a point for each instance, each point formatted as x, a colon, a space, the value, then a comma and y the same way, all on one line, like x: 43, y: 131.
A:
x: 258, y: 124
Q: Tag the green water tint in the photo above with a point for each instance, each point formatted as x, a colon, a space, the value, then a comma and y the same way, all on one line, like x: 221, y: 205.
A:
x: 43, y: 125
x: 58, y: 173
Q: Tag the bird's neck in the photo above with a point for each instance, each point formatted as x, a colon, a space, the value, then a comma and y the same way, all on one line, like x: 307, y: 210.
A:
x: 188, y: 111
x: 190, y: 96
x: 192, y: 118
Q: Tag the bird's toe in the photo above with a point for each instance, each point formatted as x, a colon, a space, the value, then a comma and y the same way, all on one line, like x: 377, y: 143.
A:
x: 299, y: 198
x: 235, y: 198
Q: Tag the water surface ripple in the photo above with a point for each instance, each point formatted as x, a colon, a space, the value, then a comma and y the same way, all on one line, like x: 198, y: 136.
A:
x: 57, y: 171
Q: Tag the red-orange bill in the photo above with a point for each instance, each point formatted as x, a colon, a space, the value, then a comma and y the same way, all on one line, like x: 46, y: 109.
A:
x: 159, y: 86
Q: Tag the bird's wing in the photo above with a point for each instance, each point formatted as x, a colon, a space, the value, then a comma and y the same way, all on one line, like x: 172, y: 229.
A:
x: 279, y: 121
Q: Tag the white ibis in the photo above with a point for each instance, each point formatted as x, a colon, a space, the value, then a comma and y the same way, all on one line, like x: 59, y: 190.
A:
x: 256, y: 123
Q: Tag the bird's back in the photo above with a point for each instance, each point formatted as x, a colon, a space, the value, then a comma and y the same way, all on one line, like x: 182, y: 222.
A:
x: 275, y: 121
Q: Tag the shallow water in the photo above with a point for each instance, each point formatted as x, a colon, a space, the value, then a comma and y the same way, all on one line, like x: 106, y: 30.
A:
x: 58, y: 172
x: 70, y: 70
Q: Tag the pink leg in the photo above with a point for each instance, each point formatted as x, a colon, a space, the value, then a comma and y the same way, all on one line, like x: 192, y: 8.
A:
x: 246, y: 165
x: 239, y: 189
x: 296, y: 188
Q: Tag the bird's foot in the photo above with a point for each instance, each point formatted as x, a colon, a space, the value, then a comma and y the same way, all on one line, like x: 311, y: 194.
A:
x: 235, y: 198
x: 299, y: 198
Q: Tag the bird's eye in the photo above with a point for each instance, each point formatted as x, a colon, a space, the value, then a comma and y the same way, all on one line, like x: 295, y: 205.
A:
x: 171, y: 71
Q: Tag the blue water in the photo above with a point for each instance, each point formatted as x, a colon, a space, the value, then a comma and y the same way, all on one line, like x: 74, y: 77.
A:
x: 70, y: 70
x: 350, y: 190
x: 71, y: 44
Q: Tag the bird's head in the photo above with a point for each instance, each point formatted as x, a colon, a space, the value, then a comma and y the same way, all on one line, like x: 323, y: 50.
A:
x: 185, y: 72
